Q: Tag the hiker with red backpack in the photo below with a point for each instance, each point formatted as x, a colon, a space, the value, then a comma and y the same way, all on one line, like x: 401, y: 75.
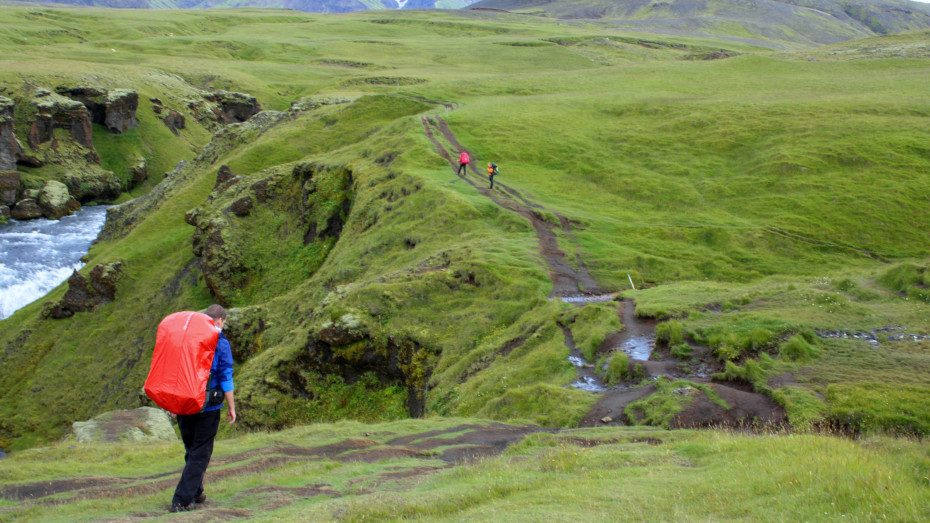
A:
x: 191, y: 375
x: 463, y: 163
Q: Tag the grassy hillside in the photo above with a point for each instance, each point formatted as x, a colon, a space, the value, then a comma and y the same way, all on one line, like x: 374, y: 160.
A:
x: 767, y: 203
x: 414, y: 471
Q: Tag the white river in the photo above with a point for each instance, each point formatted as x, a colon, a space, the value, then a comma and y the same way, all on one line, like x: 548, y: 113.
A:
x: 38, y: 255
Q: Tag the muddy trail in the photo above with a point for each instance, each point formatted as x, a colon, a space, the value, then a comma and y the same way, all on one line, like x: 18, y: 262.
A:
x: 406, y: 458
x: 636, y: 339
x: 567, y: 280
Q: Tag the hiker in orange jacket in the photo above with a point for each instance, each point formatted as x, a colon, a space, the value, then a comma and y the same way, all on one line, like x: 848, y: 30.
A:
x: 463, y: 163
x: 492, y: 171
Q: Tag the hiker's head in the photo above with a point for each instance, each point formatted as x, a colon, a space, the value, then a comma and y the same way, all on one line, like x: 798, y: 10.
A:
x: 218, y: 313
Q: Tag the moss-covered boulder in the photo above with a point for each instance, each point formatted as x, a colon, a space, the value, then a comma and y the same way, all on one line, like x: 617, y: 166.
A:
x: 56, y: 201
x: 93, y: 184
x: 139, y: 172
x: 142, y: 424
x: 26, y: 209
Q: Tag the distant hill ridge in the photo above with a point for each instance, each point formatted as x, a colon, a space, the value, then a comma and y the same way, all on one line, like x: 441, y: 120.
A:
x: 310, y: 6
x: 752, y: 21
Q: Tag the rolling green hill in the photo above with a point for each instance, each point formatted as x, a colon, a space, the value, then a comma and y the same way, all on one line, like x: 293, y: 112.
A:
x: 772, y: 23
x: 767, y: 206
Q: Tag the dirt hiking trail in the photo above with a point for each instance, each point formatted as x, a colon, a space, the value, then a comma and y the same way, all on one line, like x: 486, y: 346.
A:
x: 636, y: 338
x: 566, y: 279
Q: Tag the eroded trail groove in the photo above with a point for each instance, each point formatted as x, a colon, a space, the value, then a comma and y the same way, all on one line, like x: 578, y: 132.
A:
x: 567, y: 280
x: 414, y: 455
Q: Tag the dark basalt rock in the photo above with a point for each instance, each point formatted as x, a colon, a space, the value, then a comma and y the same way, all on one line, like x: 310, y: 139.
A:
x: 9, y: 187
x: 86, y: 295
x: 223, y: 175
x: 27, y: 209
x: 115, y: 110
x: 11, y: 151
x: 57, y: 112
x: 234, y: 107
x: 172, y: 119
x: 242, y: 206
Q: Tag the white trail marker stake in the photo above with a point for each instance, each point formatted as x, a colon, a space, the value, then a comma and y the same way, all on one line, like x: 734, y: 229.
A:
x: 631, y: 281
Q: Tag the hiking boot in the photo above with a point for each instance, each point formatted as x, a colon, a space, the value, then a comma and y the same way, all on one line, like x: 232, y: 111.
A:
x: 201, y: 498
x: 177, y: 507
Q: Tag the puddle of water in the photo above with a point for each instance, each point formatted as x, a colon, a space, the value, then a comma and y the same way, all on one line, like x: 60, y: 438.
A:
x: 640, y: 347
x: 638, y: 338
x: 589, y: 384
x: 579, y: 362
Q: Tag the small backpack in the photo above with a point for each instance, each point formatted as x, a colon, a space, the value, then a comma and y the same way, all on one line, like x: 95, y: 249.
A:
x: 184, y: 349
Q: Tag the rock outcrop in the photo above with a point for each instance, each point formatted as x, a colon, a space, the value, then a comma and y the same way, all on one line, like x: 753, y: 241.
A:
x: 58, y: 112
x: 142, y: 424
x: 86, y: 295
x: 224, y: 107
x: 10, y: 149
x: 56, y: 201
x: 115, y: 110
x: 235, y: 107
x: 171, y: 118
x: 9, y: 187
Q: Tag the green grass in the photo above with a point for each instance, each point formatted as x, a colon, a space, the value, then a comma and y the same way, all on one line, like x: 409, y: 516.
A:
x: 751, y: 199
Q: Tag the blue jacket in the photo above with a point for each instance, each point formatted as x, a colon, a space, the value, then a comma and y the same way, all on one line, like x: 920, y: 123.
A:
x: 222, y: 369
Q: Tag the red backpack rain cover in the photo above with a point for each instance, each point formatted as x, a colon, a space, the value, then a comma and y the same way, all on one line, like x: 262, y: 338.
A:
x: 184, y: 348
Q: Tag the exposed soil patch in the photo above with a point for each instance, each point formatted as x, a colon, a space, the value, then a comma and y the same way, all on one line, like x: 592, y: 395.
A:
x: 747, y: 410
x: 609, y: 410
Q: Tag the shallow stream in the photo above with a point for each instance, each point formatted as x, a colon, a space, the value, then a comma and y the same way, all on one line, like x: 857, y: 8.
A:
x: 636, y: 340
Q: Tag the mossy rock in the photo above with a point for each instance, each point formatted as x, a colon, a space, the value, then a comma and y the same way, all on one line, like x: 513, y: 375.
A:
x: 142, y: 424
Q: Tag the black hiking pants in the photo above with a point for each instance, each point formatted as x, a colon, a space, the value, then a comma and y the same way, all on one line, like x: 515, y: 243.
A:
x: 463, y: 169
x: 198, y: 432
x: 492, y: 180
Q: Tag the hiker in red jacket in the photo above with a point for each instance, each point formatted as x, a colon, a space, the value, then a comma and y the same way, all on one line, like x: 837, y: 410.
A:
x: 463, y: 163
x: 199, y: 430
